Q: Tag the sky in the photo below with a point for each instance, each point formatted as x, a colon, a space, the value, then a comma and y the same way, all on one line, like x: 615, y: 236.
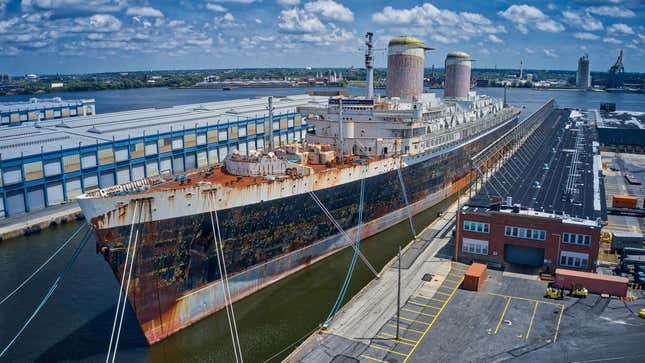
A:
x: 87, y: 36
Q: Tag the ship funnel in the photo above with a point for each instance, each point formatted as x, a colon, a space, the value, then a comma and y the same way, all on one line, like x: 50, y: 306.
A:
x: 458, y: 65
x: 405, y: 63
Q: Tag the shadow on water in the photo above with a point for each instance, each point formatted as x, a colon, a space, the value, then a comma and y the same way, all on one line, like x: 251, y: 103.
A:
x: 267, y: 321
x: 92, y: 338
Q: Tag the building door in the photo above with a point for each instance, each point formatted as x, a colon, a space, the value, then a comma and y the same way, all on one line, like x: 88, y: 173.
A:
x: 524, y: 255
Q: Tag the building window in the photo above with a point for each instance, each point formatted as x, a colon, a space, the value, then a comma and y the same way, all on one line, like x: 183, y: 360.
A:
x: 475, y: 246
x: 528, y: 233
x: 476, y: 226
x: 574, y: 259
x: 576, y: 239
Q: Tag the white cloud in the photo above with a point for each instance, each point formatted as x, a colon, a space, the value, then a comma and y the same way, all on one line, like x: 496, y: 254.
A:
x: 258, y: 20
x: 225, y: 21
x: 493, y: 38
x: 216, y: 8
x: 620, y: 28
x: 525, y: 16
x: 71, y: 6
x: 585, y: 36
x: 583, y: 21
x: 611, y: 11
x: 298, y: 21
x: 330, y: 9
x: 144, y: 11
x: 441, y: 25
x: 549, y: 53
x: 96, y: 23
x: 611, y: 40
x: 529, y: 50
x: 289, y: 2
x: 3, y: 6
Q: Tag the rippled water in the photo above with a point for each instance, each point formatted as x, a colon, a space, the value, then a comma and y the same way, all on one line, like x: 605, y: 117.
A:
x: 75, y: 325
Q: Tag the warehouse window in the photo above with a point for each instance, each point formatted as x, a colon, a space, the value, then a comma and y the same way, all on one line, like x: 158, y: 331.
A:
x: 476, y: 226
x: 574, y: 259
x: 528, y: 233
x: 576, y: 239
x: 476, y: 246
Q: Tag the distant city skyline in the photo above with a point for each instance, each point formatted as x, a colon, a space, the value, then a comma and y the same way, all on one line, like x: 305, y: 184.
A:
x: 93, y: 36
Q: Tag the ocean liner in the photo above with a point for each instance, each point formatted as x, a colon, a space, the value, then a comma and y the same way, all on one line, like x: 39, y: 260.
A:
x: 263, y: 201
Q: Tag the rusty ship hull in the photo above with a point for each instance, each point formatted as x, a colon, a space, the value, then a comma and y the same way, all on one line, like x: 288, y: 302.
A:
x: 269, y: 229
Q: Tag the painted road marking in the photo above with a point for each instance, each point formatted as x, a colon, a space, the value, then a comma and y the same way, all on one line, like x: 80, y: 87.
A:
x: 372, y: 358
x: 508, y: 301
x: 442, y: 293
x: 424, y: 305
x: 453, y: 281
x: 527, y: 299
x: 417, y: 312
x: 536, y: 301
x: 528, y: 332
x: 414, y: 321
x: 405, y: 328
x: 398, y: 341
x: 430, y: 325
x: 394, y: 336
x: 557, y: 328
x: 381, y: 347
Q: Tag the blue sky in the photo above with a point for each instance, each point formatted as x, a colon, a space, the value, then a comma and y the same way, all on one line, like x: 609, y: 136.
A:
x: 80, y: 36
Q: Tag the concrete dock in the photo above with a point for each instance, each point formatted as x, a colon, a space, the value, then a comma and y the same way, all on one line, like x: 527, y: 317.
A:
x: 365, y: 328
x: 33, y: 222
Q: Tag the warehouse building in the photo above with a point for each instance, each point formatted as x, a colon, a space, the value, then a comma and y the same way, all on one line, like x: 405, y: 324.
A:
x: 36, y: 109
x: 621, y: 131
x: 54, y: 161
x: 543, y: 208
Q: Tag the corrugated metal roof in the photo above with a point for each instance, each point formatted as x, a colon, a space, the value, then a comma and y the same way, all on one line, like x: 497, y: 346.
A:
x: 40, y: 104
x: 52, y: 135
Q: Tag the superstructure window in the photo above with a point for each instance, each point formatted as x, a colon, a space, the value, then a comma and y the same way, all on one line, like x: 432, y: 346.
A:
x: 528, y: 233
x: 473, y: 226
x: 576, y: 239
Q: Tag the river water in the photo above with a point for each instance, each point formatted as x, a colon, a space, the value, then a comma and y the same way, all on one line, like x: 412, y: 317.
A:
x: 76, y: 323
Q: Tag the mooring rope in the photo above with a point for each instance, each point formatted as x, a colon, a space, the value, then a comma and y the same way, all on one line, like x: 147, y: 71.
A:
x: 352, y: 265
x: 50, y: 292
x: 343, y: 232
x: 43, y: 265
x: 407, y: 202
x: 125, y: 268
x: 221, y: 264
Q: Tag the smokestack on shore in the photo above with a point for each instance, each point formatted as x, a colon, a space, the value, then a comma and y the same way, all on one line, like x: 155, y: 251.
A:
x: 458, y: 66
x: 405, y: 63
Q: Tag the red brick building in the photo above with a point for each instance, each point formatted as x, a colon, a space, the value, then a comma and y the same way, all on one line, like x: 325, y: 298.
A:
x: 525, y: 237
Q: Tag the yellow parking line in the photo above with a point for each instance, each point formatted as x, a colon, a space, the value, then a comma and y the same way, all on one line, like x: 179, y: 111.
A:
x: 398, y: 341
x: 453, y: 281
x: 442, y: 293
x: 418, y: 312
x: 428, y: 327
x: 557, y: 328
x: 424, y: 305
x: 525, y: 299
x: 528, y: 332
x: 400, y: 338
x: 386, y: 349
x: 454, y: 274
x: 405, y: 328
x: 414, y: 321
x: 503, y: 313
x: 372, y: 358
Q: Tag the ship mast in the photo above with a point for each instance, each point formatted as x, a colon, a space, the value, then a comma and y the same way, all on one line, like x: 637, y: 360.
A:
x: 270, y: 123
x: 340, y: 130
x: 369, y: 65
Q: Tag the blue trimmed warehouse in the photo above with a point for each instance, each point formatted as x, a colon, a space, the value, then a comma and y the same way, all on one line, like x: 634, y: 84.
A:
x: 51, y: 162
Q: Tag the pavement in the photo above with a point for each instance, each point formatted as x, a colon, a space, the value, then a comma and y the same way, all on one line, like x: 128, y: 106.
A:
x: 617, y: 165
x: 13, y: 226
